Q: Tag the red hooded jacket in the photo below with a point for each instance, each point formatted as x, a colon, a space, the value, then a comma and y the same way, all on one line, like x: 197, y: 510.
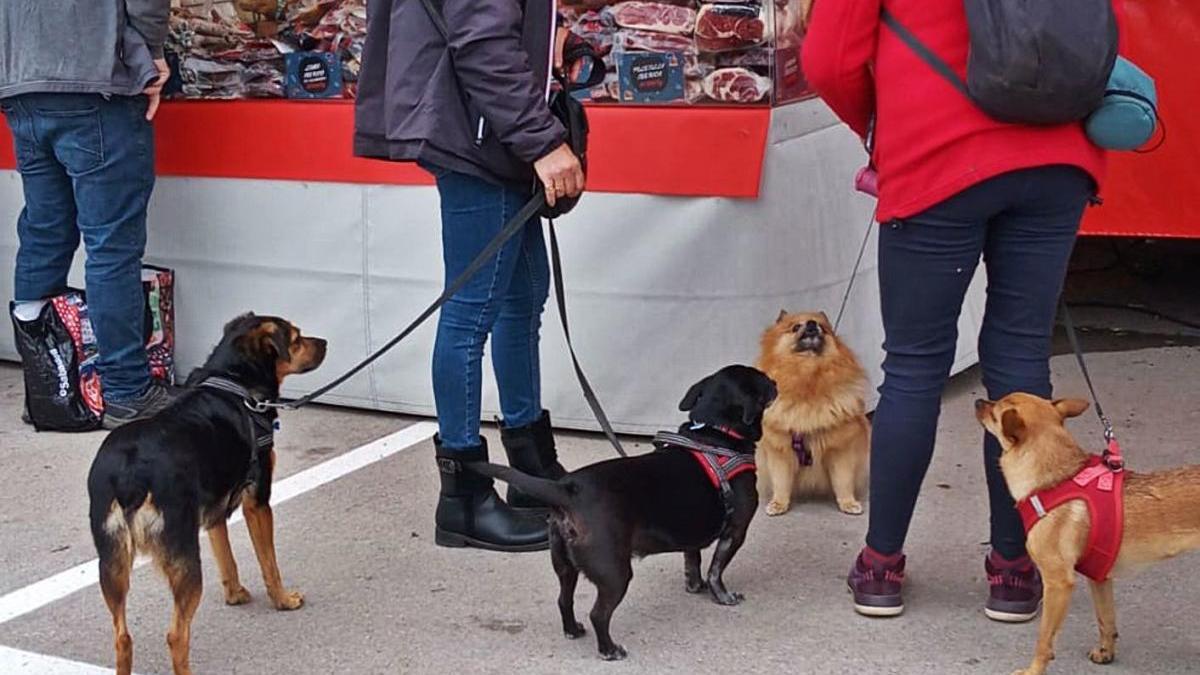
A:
x: 931, y: 142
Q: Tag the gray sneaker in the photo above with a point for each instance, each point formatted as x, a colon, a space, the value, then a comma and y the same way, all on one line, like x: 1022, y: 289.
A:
x: 149, y: 404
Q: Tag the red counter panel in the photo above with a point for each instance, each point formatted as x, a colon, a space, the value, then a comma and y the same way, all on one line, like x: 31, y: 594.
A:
x: 666, y: 151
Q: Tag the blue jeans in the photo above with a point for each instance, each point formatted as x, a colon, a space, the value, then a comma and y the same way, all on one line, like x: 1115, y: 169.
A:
x: 87, y: 166
x: 1024, y: 224
x: 505, y: 299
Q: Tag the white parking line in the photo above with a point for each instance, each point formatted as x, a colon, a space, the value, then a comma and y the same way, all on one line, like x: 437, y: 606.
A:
x: 37, y: 595
x: 17, y: 662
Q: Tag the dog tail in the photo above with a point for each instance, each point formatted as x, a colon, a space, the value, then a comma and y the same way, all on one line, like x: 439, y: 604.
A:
x: 549, y: 491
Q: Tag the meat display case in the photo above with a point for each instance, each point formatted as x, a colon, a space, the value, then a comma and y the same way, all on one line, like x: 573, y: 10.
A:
x: 680, y: 52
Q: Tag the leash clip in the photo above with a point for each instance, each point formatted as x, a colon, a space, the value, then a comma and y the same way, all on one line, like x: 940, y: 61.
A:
x: 1112, y: 455
x: 259, y: 406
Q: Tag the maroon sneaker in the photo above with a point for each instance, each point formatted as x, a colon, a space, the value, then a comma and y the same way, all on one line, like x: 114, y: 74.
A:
x: 1016, y: 589
x: 876, y: 580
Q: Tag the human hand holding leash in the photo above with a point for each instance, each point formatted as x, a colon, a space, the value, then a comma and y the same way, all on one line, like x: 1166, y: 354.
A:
x: 561, y: 174
x: 154, y: 89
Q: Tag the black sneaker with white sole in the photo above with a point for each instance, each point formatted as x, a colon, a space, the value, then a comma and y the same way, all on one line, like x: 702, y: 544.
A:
x: 149, y: 404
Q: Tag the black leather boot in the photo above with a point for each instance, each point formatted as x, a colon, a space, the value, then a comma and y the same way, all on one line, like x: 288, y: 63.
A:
x: 470, y: 513
x: 531, y: 450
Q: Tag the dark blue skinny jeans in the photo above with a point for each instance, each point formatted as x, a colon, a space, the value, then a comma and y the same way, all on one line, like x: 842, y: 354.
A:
x: 1023, y: 224
x: 504, y: 301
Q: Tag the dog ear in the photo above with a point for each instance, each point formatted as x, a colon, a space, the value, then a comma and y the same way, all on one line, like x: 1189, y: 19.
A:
x: 1013, y: 426
x: 1070, y: 407
x: 768, y: 391
x: 281, y: 342
x: 693, y: 395
x: 236, y: 321
x: 782, y: 315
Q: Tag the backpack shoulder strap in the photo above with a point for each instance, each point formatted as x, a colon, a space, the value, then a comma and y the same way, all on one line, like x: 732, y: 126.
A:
x: 919, y: 48
x: 434, y: 9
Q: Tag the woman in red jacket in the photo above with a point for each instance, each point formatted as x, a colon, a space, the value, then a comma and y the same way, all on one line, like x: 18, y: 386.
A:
x: 954, y: 185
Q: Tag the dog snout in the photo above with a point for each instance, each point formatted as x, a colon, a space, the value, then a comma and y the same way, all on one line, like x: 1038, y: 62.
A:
x: 317, y: 347
x: 982, y: 408
x: 811, y: 329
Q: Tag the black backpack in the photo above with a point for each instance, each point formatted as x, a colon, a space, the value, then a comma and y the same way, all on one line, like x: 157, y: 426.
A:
x: 1031, y: 61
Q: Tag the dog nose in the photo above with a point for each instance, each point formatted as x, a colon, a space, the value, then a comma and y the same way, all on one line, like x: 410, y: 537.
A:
x: 980, y: 403
x: 811, y: 328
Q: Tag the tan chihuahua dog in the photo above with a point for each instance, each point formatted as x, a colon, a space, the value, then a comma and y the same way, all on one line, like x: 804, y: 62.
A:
x: 1161, y: 512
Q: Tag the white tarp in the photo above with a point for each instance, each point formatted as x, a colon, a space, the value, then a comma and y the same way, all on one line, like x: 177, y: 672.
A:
x: 661, y: 290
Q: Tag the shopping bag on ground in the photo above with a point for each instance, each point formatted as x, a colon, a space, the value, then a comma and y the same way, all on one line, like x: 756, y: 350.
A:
x: 158, y: 283
x: 54, y: 396
x: 60, y: 355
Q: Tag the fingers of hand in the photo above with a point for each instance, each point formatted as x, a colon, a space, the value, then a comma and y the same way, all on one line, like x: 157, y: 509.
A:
x: 152, y: 108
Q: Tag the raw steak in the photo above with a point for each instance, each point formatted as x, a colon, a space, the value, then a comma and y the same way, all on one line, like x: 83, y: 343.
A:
x: 647, y: 41
x: 655, y: 16
x: 736, y: 85
x: 726, y: 27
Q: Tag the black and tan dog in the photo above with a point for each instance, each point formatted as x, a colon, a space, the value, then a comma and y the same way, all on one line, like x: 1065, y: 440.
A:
x: 155, y: 483
x: 669, y: 500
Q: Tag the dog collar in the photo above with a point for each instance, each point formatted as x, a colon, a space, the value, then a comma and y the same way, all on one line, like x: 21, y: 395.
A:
x: 262, y: 426
x: 728, y: 431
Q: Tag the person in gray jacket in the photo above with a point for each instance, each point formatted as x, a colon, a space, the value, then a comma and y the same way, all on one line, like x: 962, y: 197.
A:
x: 472, y: 109
x: 79, y: 84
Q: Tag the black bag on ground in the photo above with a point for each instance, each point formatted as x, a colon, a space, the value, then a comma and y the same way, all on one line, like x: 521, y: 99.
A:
x: 54, y: 399
x: 1032, y: 61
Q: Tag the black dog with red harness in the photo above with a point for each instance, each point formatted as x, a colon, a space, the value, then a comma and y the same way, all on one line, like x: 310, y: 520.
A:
x: 696, y: 488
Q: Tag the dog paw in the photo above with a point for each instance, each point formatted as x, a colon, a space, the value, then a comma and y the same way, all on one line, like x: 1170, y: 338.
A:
x: 776, y: 507
x: 729, y: 599
x: 240, y: 596
x: 1101, y: 655
x: 614, y: 653
x: 696, y: 586
x: 289, y: 600
x: 574, y: 632
x: 851, y: 507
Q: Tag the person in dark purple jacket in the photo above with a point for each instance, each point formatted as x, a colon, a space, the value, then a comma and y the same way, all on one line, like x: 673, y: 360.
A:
x: 474, y: 113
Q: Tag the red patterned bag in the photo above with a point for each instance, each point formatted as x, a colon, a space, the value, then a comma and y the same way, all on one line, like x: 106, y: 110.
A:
x: 62, y: 389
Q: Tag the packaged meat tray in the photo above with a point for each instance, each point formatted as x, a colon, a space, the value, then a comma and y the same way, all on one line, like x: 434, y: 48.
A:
x: 729, y: 27
x: 728, y: 52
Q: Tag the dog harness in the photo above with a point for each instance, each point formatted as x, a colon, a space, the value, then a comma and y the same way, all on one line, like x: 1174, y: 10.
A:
x: 1099, y: 484
x: 721, y: 465
x: 261, y: 421
x: 800, y: 447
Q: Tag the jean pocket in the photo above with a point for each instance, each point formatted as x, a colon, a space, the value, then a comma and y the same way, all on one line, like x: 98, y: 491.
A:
x: 77, y: 137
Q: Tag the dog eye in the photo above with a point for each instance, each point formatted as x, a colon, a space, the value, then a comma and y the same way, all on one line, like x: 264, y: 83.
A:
x: 797, y: 328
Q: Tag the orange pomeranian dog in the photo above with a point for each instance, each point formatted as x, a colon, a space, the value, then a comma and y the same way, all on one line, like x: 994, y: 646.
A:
x: 816, y: 436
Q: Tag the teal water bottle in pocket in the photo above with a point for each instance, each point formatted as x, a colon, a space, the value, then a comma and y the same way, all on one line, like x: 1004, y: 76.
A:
x: 1128, y: 114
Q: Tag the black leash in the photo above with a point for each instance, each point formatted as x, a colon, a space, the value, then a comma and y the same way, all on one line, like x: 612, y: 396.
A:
x: 588, y: 393
x: 1112, y: 453
x: 854, y: 272
x: 510, y: 229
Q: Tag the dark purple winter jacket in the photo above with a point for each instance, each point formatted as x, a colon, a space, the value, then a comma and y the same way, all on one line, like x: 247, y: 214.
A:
x: 478, y: 107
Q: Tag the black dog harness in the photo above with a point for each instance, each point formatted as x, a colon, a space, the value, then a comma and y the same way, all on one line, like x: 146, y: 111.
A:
x: 720, y: 464
x: 261, y: 421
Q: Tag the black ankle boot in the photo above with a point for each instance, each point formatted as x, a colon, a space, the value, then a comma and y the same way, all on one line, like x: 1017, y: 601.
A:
x: 530, y: 449
x: 470, y: 513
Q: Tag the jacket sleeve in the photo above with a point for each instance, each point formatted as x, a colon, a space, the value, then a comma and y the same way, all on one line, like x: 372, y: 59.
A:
x: 150, y: 18
x: 494, y: 71
x: 839, y: 49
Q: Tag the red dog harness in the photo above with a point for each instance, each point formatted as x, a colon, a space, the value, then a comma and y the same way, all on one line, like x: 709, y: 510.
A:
x: 721, y: 465
x: 1100, y: 485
